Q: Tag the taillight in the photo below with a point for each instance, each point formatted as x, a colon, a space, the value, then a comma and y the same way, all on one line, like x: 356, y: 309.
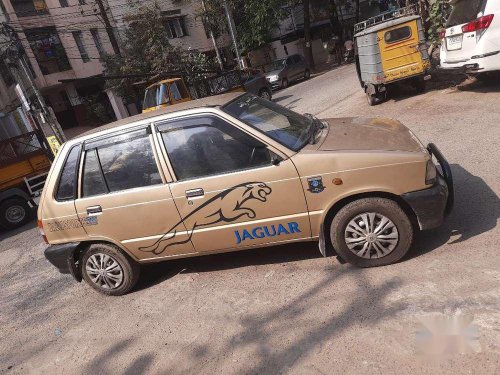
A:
x: 480, y: 24
x: 42, y: 232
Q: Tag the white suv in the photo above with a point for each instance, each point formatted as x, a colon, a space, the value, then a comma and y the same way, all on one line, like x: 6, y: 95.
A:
x: 472, y: 37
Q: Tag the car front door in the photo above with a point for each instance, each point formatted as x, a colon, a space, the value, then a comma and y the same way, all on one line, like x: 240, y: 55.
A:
x: 124, y: 198
x: 232, y: 190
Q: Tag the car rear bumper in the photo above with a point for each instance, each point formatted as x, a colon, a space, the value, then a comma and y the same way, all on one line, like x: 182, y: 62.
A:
x: 485, y: 62
x: 63, y: 258
x: 432, y: 205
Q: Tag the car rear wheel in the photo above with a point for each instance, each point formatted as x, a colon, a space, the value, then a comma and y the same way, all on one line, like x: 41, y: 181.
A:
x: 14, y: 213
x: 307, y: 74
x: 371, y: 232
x: 265, y: 94
x: 284, y: 83
x: 106, y: 269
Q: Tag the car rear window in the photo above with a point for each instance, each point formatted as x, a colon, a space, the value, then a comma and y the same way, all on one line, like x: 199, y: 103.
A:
x: 66, y: 189
x: 465, y: 11
x: 397, y: 35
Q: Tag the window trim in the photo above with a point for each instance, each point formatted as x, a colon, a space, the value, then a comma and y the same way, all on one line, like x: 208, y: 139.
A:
x: 398, y: 40
x: 170, y: 166
x: 75, y: 177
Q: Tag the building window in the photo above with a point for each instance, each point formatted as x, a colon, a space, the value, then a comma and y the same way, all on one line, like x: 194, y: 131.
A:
x: 5, y: 74
x: 97, y: 42
x: 48, y: 50
x: 81, y: 46
x: 175, y: 27
x: 27, y: 8
x: 64, y: 3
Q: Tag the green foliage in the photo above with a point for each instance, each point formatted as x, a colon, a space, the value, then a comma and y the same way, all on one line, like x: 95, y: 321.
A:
x: 146, y: 50
x: 439, y: 10
x: 254, y: 19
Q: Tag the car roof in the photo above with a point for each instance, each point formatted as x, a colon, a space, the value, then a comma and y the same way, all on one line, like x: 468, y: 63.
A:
x: 209, y: 101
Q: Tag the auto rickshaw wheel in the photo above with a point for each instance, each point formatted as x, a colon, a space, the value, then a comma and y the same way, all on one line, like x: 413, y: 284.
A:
x: 374, y: 99
x: 419, y: 84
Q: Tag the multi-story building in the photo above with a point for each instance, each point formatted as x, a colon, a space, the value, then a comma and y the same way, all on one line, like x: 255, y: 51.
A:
x: 65, y: 41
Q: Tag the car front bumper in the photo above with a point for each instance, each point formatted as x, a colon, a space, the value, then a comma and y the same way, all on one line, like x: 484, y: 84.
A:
x: 63, y: 258
x: 432, y: 205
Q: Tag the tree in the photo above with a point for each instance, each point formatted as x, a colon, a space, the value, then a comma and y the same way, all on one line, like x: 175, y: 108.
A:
x: 146, y: 51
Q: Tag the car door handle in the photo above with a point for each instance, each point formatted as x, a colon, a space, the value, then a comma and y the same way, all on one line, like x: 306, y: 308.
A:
x: 195, y: 193
x: 94, y: 210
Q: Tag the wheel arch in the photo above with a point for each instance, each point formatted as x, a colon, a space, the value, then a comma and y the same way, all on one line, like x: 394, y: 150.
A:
x: 338, y: 205
x: 84, y: 245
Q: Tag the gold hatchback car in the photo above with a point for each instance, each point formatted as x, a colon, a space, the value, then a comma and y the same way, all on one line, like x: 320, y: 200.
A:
x: 233, y: 172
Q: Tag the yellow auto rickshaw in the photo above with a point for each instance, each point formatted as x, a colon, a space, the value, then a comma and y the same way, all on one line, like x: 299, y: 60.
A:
x: 391, y: 47
x: 164, y: 93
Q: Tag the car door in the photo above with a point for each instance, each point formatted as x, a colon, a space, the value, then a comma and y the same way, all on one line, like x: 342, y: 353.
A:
x: 232, y: 190
x: 123, y: 195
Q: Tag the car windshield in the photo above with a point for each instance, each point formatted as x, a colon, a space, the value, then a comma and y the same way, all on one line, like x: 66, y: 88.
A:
x: 465, y: 11
x: 284, y: 126
x: 277, y: 64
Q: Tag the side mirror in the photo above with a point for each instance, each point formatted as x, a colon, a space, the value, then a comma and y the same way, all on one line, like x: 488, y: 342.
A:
x: 275, y: 161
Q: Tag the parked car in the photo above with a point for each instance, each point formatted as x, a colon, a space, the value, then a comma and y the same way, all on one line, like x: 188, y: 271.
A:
x: 284, y: 71
x: 471, y: 41
x: 255, y: 82
x: 234, y: 172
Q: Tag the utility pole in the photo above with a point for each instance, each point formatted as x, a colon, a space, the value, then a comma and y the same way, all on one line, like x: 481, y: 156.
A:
x: 307, y: 35
x: 232, y: 31
x: 33, y: 102
x: 214, y: 41
x: 109, y: 28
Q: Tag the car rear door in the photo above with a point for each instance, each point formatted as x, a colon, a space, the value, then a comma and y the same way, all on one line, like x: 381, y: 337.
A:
x: 228, y: 190
x: 464, y: 27
x: 124, y: 197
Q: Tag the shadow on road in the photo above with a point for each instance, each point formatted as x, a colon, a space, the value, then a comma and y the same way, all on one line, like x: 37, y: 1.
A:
x: 476, y: 211
x: 7, y: 233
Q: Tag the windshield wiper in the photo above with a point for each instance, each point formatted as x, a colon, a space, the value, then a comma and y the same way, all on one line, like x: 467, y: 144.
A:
x: 315, y: 126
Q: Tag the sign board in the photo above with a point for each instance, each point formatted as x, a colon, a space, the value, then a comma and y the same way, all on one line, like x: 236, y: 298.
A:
x: 54, y: 144
x: 22, y: 97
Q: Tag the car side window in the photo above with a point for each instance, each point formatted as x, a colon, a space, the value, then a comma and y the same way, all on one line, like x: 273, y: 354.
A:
x: 296, y: 59
x: 119, y: 163
x: 207, y: 145
x: 66, y: 189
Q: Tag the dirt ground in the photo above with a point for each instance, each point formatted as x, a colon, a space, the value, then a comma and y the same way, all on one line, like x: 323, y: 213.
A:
x: 286, y: 309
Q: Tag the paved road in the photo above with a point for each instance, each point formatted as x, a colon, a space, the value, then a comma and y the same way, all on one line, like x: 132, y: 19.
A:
x: 286, y: 309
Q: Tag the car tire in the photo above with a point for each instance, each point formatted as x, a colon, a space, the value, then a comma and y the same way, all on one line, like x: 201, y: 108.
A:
x: 124, y: 271
x: 265, y: 94
x: 14, y: 212
x: 284, y: 83
x: 378, y: 247
x: 307, y: 74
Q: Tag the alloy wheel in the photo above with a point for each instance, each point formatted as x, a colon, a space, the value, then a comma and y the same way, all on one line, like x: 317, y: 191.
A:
x: 371, y: 235
x: 104, y: 271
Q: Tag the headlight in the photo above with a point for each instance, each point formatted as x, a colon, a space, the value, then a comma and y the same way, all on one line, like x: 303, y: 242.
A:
x: 273, y: 78
x: 430, y: 173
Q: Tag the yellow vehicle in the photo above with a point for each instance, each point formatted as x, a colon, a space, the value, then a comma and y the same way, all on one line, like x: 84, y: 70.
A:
x: 164, y: 93
x: 389, y: 48
x: 23, y: 169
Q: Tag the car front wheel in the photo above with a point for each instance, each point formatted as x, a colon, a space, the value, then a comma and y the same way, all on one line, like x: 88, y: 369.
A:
x: 371, y: 232
x: 106, y: 269
x: 265, y: 94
